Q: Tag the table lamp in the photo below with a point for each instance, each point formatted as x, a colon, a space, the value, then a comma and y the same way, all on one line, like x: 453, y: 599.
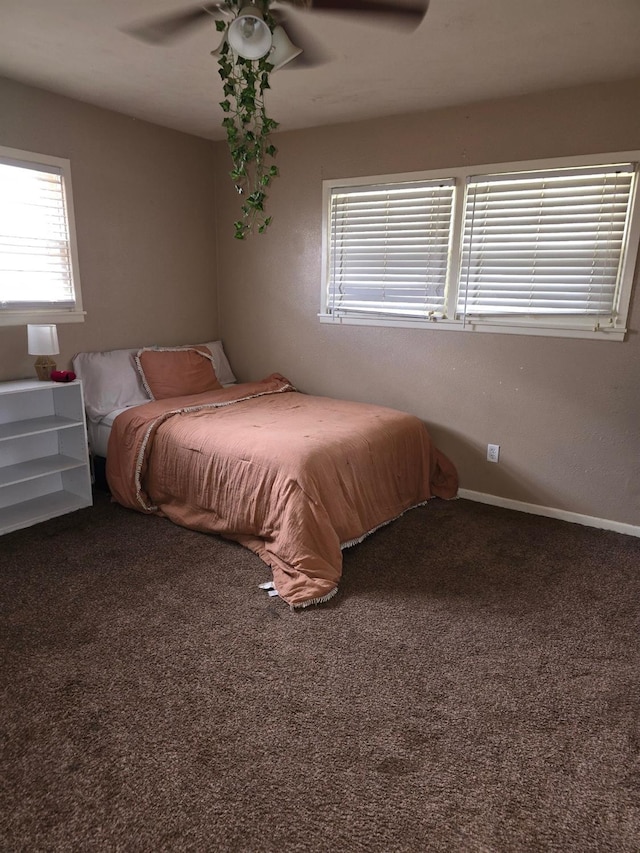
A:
x: 43, y: 342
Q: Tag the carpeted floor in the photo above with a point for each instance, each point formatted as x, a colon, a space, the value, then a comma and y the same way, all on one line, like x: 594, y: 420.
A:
x: 473, y: 687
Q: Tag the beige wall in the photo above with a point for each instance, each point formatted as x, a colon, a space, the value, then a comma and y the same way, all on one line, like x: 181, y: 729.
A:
x: 565, y: 412
x: 144, y: 202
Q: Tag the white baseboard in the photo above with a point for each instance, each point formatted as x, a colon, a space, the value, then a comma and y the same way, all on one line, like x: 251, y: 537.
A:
x: 550, y: 512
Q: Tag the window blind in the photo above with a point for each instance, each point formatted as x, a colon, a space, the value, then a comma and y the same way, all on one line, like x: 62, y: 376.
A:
x: 35, y: 256
x: 388, y: 249
x: 544, y: 243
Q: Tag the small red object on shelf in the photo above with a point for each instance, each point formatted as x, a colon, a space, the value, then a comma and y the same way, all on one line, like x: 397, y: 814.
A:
x: 62, y: 375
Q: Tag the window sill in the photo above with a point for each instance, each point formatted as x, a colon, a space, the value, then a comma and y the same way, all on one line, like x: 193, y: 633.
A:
x: 475, y: 325
x: 22, y: 318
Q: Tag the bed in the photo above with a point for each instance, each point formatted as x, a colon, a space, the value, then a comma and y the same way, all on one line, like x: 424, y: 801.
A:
x: 294, y: 477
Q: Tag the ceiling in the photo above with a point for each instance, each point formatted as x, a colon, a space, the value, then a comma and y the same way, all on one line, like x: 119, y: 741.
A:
x: 464, y: 51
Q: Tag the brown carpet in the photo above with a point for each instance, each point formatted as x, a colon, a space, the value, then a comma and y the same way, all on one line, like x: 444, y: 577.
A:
x: 472, y: 687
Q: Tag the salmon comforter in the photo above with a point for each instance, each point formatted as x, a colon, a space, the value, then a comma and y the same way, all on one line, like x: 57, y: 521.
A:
x: 293, y: 477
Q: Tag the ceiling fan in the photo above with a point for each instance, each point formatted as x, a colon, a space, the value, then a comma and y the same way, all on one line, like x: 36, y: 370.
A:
x: 263, y: 28
x: 258, y: 37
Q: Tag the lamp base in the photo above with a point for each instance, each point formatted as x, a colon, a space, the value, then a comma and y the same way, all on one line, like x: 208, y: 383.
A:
x: 44, y: 366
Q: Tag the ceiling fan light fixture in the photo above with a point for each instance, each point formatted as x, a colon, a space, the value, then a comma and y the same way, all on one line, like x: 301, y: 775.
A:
x: 283, y: 49
x: 249, y: 36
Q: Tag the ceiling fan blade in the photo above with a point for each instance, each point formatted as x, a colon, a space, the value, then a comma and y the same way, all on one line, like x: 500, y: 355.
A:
x: 401, y: 13
x: 168, y: 27
x: 313, y: 53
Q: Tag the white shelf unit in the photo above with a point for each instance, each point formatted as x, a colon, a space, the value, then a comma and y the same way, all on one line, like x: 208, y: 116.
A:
x: 44, y: 458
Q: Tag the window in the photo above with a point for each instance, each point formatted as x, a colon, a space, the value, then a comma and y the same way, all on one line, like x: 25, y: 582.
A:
x: 535, y: 248
x: 39, y: 279
x: 389, y: 248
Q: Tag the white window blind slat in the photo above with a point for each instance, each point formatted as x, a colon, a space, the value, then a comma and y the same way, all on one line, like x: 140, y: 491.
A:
x: 544, y: 243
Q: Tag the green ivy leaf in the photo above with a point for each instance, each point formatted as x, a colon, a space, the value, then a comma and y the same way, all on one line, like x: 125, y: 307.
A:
x: 256, y: 200
x: 221, y: 26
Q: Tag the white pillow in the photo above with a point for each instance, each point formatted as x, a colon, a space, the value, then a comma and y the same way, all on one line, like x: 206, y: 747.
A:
x: 220, y: 363
x: 110, y: 381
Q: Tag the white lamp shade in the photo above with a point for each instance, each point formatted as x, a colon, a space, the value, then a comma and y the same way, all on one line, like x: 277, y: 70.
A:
x: 42, y: 340
x: 248, y: 34
x: 283, y: 50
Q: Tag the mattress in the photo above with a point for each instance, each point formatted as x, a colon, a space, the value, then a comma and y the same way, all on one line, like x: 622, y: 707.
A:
x: 99, y: 431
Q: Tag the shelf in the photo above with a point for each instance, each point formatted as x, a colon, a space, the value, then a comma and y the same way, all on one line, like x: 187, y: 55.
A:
x: 34, y: 468
x: 40, y: 509
x: 35, y: 426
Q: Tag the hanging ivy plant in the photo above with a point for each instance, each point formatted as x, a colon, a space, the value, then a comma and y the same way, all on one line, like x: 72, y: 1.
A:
x: 248, y: 130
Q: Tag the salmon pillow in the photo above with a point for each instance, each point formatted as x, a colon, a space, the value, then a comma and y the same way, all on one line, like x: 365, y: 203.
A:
x: 176, y: 371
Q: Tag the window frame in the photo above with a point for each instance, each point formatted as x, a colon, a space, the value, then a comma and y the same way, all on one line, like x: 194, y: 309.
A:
x: 545, y: 325
x: 76, y: 314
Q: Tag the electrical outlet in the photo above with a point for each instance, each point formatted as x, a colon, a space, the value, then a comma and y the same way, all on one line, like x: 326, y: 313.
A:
x: 493, y: 452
